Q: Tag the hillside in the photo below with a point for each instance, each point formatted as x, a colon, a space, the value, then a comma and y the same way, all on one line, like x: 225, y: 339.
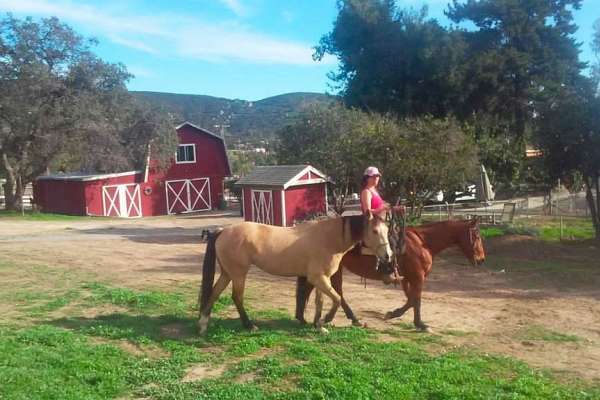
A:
x: 245, y: 118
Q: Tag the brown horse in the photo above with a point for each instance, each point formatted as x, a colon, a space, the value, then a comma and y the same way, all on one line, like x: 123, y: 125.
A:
x: 312, y: 250
x: 422, y: 243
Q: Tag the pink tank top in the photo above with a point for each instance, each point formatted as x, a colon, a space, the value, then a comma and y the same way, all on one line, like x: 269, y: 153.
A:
x: 376, y: 200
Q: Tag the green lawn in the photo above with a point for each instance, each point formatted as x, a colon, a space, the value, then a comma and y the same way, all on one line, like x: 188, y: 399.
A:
x: 546, y: 228
x: 85, y: 339
x: 38, y: 216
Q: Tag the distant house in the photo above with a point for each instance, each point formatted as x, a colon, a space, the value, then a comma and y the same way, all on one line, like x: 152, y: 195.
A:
x: 193, y: 182
x: 283, y: 194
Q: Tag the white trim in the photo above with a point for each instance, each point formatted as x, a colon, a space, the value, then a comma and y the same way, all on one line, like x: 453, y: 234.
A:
x: 295, y: 181
x: 188, y: 187
x: 264, y: 208
x: 186, y: 162
x: 326, y: 202
x: 283, y: 221
x: 147, y: 168
x: 305, y: 182
x: 86, y: 177
x: 123, y: 195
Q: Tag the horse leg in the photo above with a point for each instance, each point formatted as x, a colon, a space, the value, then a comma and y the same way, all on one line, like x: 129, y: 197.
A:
x: 221, y: 284
x: 323, y: 284
x: 416, y: 291
x: 318, y: 308
x: 398, y: 312
x: 303, y: 290
x: 238, y: 298
x: 336, y: 283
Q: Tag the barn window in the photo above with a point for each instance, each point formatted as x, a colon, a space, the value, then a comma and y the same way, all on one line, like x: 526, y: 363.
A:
x: 186, y: 153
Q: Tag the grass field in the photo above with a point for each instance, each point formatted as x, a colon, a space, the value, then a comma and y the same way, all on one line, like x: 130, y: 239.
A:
x: 64, y: 335
x: 38, y: 216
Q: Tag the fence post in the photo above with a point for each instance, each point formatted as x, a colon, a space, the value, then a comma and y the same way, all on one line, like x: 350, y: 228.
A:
x: 561, y: 228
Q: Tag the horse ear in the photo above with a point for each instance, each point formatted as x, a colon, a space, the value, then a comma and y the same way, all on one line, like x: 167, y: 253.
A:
x: 475, y: 220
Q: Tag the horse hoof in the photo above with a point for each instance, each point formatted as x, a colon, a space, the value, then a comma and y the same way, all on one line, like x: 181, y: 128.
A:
x: 388, y: 315
x: 325, y: 322
x: 323, y: 330
x: 202, y: 327
x: 423, y: 328
x: 358, y: 323
x: 253, y: 328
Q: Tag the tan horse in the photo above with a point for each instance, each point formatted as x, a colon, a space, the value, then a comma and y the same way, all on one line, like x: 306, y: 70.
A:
x: 312, y: 250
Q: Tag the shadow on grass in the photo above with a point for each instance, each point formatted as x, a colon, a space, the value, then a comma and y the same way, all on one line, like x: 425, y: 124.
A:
x: 159, y: 329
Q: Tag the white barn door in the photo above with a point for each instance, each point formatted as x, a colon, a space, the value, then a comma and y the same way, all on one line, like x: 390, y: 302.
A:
x: 188, y: 195
x: 122, y: 201
x: 262, y: 206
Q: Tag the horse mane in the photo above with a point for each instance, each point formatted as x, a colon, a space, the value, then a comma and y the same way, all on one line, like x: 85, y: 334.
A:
x: 357, y: 226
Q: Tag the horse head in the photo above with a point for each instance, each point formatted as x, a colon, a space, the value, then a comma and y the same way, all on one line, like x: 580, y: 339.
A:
x: 375, y: 236
x: 471, y: 243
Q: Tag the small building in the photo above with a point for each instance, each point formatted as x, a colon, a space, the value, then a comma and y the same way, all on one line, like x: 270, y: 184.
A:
x: 283, y: 194
x: 193, y: 182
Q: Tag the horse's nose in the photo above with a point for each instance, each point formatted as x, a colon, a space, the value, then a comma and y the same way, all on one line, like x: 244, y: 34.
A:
x: 481, y: 261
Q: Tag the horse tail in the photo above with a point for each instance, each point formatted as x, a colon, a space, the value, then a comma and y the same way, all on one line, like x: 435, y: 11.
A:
x: 208, y: 268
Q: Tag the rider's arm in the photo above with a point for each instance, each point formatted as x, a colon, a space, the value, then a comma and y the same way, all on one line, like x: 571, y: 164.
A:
x: 365, y: 200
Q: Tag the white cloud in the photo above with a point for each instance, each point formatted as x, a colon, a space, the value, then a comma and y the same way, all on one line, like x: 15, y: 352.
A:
x: 133, y: 44
x: 173, y: 35
x: 220, y: 43
x: 235, y: 6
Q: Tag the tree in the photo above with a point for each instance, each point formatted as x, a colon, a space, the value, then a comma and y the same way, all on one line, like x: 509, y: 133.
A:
x: 393, y: 61
x: 569, y: 135
x: 63, y: 107
x: 325, y: 137
x: 596, y: 50
x: 520, y: 54
x: 418, y: 156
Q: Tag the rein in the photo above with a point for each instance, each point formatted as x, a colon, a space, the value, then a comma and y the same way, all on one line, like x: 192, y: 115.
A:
x: 397, y: 235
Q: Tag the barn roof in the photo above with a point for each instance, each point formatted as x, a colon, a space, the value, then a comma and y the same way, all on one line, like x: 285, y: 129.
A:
x: 82, y: 176
x: 200, y: 129
x: 282, y: 176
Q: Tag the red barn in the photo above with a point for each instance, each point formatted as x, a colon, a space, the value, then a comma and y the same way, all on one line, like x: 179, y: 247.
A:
x: 283, y: 194
x: 193, y: 182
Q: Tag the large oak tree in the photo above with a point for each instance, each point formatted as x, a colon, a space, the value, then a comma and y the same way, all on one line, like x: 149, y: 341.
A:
x: 64, y: 108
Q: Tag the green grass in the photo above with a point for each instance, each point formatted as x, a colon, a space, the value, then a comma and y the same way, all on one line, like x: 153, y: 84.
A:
x: 147, y: 347
x: 283, y: 361
x: 38, y: 216
x: 536, y: 332
x: 82, y: 357
x: 547, y: 229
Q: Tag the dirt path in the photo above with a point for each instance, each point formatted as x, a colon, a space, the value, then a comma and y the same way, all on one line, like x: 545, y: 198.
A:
x: 504, y: 308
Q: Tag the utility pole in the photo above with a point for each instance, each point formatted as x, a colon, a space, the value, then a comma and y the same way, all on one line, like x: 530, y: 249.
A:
x: 221, y: 128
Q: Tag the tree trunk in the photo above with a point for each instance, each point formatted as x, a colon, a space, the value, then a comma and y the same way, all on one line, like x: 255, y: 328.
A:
x: 593, y: 204
x: 13, y: 188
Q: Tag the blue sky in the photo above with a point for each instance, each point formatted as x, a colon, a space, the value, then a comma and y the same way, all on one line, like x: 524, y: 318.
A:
x: 246, y: 49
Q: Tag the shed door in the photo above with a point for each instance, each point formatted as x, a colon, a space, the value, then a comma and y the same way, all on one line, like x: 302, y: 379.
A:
x: 262, y: 206
x: 122, y: 201
x: 188, y: 195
